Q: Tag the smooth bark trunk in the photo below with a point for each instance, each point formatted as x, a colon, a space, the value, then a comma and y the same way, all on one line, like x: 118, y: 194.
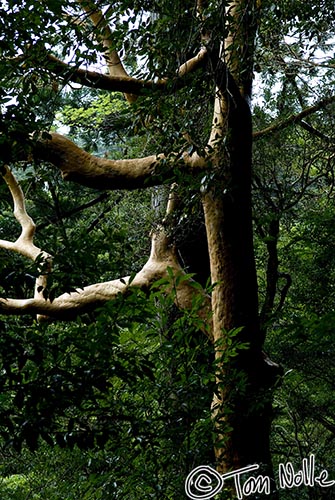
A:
x: 245, y: 378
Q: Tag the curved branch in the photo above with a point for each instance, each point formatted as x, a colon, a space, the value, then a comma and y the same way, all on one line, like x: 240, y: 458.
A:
x: 117, y: 83
x: 79, y: 166
x: 104, y: 34
x: 113, y: 60
x: 70, y: 305
x: 96, y: 80
x: 162, y: 261
x: 24, y: 245
x: 296, y: 117
x: 193, y: 63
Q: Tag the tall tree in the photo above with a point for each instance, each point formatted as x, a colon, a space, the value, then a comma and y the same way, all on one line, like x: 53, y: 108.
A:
x: 201, y: 91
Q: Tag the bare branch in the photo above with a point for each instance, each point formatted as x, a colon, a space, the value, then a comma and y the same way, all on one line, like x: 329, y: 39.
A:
x: 104, y: 34
x: 316, y: 132
x: 124, y: 83
x: 115, y: 83
x: 94, y: 79
x: 24, y: 245
x: 294, y: 118
x: 194, y: 63
x: 70, y: 305
x: 79, y: 166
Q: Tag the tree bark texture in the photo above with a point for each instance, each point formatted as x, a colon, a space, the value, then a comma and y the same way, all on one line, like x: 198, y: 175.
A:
x: 242, y: 404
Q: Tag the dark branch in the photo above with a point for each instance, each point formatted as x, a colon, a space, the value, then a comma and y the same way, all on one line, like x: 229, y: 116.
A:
x: 74, y: 211
x: 295, y: 118
x: 271, y: 271
x: 284, y: 290
x: 316, y: 132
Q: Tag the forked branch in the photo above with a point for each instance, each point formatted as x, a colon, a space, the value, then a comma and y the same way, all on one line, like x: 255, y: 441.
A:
x: 69, y: 305
x: 105, y: 36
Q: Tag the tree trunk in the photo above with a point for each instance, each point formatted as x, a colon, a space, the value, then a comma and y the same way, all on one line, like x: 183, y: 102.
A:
x: 242, y: 403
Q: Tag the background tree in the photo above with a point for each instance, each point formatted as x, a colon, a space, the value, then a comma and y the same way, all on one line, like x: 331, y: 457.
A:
x: 189, y: 108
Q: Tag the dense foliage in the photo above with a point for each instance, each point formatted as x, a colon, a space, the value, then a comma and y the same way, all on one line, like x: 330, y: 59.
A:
x: 117, y: 403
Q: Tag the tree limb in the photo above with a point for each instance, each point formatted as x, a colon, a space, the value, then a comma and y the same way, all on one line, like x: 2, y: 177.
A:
x: 312, y: 130
x: 79, y: 166
x: 70, y: 305
x: 193, y: 63
x: 116, y: 83
x: 24, y: 245
x: 296, y: 117
x: 104, y: 34
x: 97, y: 80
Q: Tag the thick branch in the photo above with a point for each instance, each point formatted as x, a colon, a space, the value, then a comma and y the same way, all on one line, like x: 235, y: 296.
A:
x: 79, y: 166
x: 294, y: 118
x: 70, y: 305
x: 24, y: 245
x: 97, y: 80
x: 193, y: 63
x: 104, y: 34
x: 119, y: 83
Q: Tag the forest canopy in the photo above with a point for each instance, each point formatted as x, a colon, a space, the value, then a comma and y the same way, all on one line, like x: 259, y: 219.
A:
x: 166, y: 238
